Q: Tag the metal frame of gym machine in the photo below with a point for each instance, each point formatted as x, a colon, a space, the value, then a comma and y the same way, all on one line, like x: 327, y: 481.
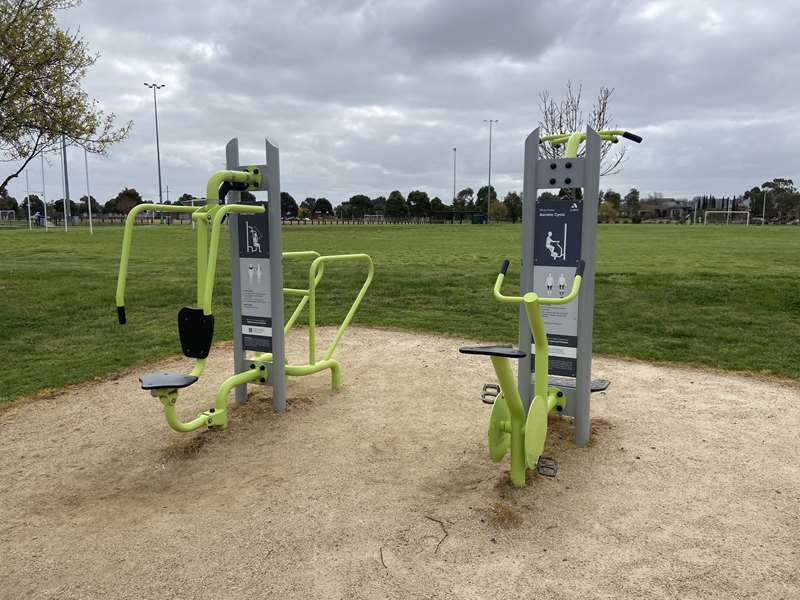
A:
x: 546, y: 173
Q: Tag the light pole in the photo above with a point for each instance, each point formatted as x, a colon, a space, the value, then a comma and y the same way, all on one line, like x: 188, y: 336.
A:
x: 764, y: 209
x: 454, y: 176
x: 88, y: 193
x: 65, y: 180
x: 489, y: 189
x: 44, y: 195
x: 154, y: 87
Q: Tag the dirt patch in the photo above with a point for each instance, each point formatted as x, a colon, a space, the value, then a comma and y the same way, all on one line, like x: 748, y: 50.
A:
x: 688, y: 489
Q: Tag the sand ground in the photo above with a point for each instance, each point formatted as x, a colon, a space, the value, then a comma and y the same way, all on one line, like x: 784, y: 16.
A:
x: 690, y: 488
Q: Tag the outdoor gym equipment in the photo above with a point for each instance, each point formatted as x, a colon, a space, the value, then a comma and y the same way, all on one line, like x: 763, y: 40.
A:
x: 558, y: 244
x: 508, y: 424
x: 257, y: 293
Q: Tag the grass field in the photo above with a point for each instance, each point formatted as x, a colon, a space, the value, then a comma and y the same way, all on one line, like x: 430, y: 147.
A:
x: 723, y: 297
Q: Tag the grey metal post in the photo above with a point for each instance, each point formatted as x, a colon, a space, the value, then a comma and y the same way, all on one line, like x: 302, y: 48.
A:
x: 239, y: 362
x: 529, y: 195
x: 583, y: 381
x: 554, y: 173
x: 278, y: 374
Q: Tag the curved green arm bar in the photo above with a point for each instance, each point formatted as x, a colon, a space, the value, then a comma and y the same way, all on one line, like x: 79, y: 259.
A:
x: 303, y: 293
x: 313, y: 279
x: 212, y: 187
x: 213, y: 249
x: 127, y: 239
x: 532, y: 301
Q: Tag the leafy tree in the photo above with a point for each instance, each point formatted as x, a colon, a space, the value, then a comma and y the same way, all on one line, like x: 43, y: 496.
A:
x: 58, y: 207
x: 36, y: 205
x: 84, y: 209
x: 464, y: 200
x: 396, y: 205
x: 361, y: 205
x: 633, y: 205
x: 437, y: 205
x: 185, y: 199
x: 480, y: 204
x: 323, y: 206
x: 607, y: 213
x: 783, y: 197
x: 548, y: 196
x: 41, y: 99
x: 7, y: 202
x: 288, y: 205
x: 379, y: 205
x: 122, y: 203
x: 419, y: 205
x: 344, y: 211
x: 497, y: 211
x: 613, y: 198
x: 513, y: 204
x: 308, y: 205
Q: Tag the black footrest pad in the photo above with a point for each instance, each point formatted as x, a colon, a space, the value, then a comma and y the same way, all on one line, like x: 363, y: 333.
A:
x: 504, y: 351
x: 158, y: 381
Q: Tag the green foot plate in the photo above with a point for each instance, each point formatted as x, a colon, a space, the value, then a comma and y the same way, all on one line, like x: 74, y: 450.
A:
x: 499, y: 440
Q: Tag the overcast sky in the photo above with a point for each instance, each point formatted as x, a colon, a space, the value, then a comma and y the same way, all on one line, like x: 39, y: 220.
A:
x: 367, y: 97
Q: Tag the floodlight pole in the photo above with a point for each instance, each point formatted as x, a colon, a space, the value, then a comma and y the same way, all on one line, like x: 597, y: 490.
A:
x: 28, y: 198
x: 88, y: 193
x: 65, y: 180
x: 454, y: 176
x: 489, y: 189
x: 44, y: 195
x: 154, y: 87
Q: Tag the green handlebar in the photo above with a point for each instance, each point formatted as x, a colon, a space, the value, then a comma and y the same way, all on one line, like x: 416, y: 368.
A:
x: 576, y: 138
x: 531, y: 298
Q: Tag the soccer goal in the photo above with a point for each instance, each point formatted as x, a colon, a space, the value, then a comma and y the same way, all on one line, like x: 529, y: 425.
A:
x: 727, y: 217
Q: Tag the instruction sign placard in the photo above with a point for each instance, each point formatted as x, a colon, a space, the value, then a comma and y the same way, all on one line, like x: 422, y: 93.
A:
x: 254, y: 275
x: 556, y: 252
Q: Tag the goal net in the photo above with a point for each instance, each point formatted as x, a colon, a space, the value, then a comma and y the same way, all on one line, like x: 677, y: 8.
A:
x: 7, y: 215
x: 726, y: 217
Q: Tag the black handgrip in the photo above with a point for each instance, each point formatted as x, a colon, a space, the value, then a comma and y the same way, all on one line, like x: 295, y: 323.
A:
x: 121, y: 315
x: 632, y: 137
x: 504, y: 268
x: 581, y: 267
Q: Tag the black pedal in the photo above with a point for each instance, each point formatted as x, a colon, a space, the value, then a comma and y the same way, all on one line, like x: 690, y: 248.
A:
x: 547, y: 466
x: 489, y: 393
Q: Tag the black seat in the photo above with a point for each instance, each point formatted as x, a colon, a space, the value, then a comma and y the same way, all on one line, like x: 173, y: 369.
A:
x: 158, y: 381
x: 504, y: 351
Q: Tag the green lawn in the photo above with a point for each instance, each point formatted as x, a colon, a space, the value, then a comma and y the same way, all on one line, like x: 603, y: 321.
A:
x: 725, y: 297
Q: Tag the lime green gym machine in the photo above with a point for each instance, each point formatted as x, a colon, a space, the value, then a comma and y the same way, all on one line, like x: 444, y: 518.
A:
x: 555, y: 325
x: 259, y: 327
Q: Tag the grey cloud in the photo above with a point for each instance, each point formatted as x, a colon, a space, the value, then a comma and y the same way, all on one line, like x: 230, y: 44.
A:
x: 372, y: 96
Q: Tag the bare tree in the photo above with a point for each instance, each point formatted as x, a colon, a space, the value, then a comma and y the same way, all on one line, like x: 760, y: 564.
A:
x: 566, y: 115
